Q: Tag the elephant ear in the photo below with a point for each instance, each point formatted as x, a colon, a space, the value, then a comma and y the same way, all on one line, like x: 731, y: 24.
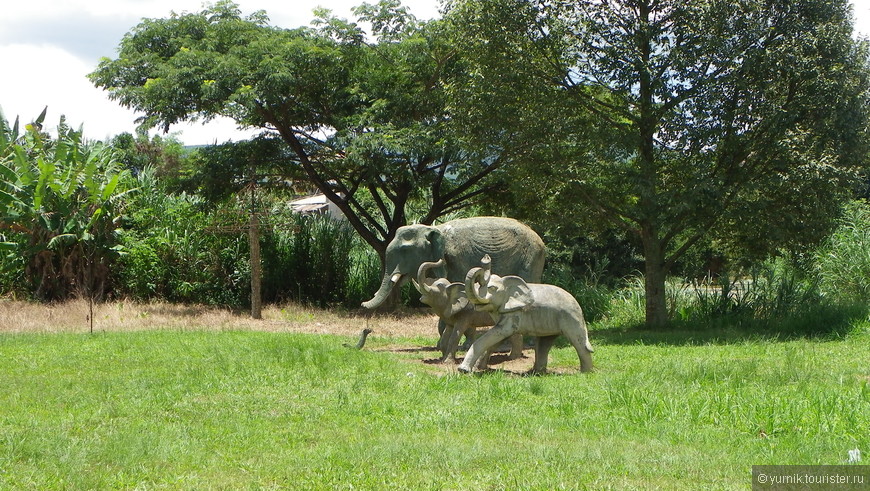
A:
x: 456, y: 298
x: 519, y: 295
x: 436, y: 243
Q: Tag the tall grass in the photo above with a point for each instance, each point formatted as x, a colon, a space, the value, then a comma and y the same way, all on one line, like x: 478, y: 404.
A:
x: 594, y: 297
x: 324, y: 262
x: 843, y: 262
x: 777, y: 298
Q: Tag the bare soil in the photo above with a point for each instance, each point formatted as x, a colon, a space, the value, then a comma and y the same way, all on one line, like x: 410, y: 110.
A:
x: 73, y: 317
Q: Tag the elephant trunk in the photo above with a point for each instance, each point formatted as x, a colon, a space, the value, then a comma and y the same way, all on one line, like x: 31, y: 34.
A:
x: 422, y: 285
x: 387, y: 284
x: 478, y: 294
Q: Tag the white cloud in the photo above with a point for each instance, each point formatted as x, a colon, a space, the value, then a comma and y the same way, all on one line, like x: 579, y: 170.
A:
x: 43, y: 75
x: 861, y: 9
x: 47, y: 48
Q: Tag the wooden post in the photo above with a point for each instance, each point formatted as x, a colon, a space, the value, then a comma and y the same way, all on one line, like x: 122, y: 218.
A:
x: 254, y: 245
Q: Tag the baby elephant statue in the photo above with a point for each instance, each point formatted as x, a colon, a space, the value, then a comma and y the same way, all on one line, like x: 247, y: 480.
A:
x: 533, y: 309
x: 449, y: 302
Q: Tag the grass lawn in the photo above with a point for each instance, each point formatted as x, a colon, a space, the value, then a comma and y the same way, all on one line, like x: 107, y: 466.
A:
x: 229, y: 409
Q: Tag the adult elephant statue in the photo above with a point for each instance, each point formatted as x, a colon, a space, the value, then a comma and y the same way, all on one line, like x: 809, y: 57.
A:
x: 533, y: 309
x: 514, y: 248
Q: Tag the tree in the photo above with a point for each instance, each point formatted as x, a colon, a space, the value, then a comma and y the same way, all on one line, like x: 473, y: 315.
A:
x: 166, y: 155
x: 366, y: 117
x: 736, y: 119
x: 217, y: 172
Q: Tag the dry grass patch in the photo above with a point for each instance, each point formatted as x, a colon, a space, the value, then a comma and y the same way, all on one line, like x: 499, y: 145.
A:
x: 28, y: 317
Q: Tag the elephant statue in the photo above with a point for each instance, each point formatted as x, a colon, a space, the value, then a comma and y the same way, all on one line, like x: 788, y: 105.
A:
x: 449, y: 302
x: 514, y: 247
x: 533, y: 309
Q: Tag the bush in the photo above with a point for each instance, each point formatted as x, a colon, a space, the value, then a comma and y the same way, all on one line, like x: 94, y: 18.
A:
x: 180, y: 248
x: 168, y: 253
x: 843, y: 262
x: 593, y: 296
x: 778, y: 296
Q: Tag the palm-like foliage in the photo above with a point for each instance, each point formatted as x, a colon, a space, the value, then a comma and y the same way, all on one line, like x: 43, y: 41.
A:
x: 59, y: 203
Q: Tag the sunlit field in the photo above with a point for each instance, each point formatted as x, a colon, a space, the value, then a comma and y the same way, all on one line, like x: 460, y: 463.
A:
x: 192, y: 398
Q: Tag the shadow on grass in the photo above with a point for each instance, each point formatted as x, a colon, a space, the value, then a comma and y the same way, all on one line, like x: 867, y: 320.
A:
x: 399, y: 313
x: 817, y: 322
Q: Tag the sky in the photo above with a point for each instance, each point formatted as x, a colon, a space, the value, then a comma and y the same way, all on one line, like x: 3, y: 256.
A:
x: 47, y: 47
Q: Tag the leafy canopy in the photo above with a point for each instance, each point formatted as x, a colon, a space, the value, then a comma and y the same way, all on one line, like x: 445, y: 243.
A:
x: 367, y: 116
x: 737, y: 120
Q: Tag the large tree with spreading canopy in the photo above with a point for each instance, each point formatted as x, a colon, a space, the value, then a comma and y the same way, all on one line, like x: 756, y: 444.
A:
x: 743, y: 119
x: 366, y: 115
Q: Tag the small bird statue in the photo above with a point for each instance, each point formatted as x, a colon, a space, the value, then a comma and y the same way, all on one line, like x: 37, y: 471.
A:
x: 362, y: 339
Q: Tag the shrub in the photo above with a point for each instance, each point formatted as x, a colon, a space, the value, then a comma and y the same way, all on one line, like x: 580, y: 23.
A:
x: 169, y: 254
x: 322, y: 261
x: 843, y: 262
x: 594, y: 297
x: 180, y: 248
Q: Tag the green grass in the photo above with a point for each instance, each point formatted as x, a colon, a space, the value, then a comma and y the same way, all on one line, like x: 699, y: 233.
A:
x: 228, y: 410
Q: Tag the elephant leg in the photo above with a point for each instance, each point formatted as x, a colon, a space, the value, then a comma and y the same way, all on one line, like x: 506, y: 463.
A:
x: 442, y: 328
x: 483, y: 361
x: 542, y: 353
x: 516, y: 346
x: 448, y: 351
x: 446, y: 340
x: 486, y: 343
x: 470, y: 336
x: 579, y: 339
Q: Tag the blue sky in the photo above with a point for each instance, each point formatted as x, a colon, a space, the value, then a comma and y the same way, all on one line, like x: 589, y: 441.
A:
x: 47, y: 47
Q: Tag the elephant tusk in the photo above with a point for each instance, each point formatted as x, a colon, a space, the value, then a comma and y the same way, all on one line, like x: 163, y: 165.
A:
x: 396, y: 277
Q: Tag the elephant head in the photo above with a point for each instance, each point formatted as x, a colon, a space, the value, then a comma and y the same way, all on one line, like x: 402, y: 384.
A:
x: 412, y: 246
x: 494, y: 293
x: 446, y: 299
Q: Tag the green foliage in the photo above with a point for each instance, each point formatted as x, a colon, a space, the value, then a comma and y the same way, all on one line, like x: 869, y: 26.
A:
x: 594, y: 296
x: 218, y: 172
x: 164, y: 154
x: 843, y: 262
x: 169, y: 254
x: 182, y: 248
x: 775, y: 291
x: 60, y: 201
x: 241, y: 410
x: 681, y: 122
x: 321, y: 261
x: 368, y: 118
x: 777, y: 299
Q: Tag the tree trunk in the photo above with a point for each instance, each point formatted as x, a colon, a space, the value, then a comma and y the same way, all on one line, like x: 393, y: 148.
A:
x: 654, y: 279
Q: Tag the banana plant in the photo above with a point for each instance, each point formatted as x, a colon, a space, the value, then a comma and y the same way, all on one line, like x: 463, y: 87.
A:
x: 60, y: 202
